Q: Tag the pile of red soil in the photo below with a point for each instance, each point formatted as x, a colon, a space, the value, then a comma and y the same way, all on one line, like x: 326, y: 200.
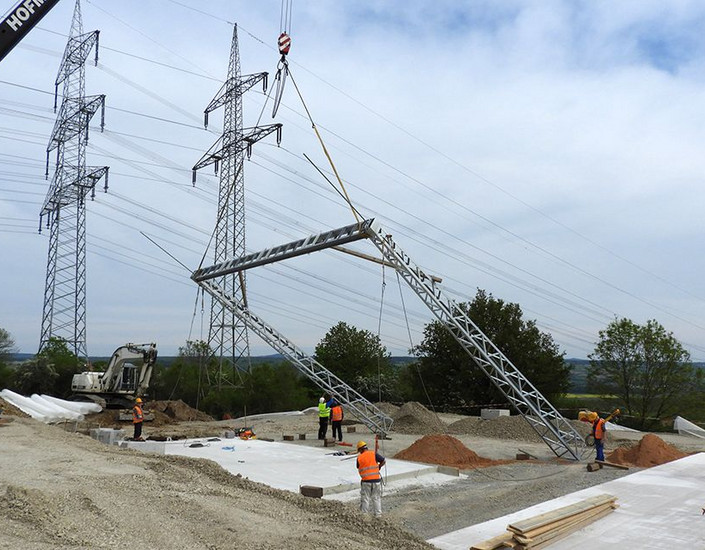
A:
x: 650, y: 451
x: 446, y: 451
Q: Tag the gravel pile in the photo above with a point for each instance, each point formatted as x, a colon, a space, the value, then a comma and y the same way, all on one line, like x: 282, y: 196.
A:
x: 414, y: 418
x: 503, y: 427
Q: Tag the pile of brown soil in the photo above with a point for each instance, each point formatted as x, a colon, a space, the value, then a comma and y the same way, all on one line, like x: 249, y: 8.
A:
x: 10, y: 410
x: 179, y: 411
x: 164, y: 412
x: 414, y: 418
x: 650, y: 451
x: 445, y: 450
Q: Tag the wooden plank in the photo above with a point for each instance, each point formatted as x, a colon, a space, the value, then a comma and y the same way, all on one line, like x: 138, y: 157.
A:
x: 569, y: 527
x: 560, y: 513
x: 612, y: 464
x: 564, y: 533
x: 557, y: 524
x: 494, y: 543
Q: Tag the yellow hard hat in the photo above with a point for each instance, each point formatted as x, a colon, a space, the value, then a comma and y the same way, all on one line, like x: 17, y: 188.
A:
x: 138, y: 400
x: 361, y: 444
x: 592, y: 416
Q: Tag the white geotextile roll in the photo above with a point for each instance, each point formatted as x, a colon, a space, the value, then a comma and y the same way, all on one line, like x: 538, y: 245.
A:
x: 27, y: 406
x: 63, y: 412
x: 77, y: 406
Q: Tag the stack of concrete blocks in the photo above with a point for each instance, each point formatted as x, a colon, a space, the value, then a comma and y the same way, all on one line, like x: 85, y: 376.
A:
x: 108, y: 435
x: 488, y: 414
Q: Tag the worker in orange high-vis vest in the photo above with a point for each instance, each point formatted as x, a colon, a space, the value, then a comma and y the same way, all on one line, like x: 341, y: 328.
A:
x: 336, y: 418
x: 599, y: 432
x: 368, y: 466
x: 137, y: 419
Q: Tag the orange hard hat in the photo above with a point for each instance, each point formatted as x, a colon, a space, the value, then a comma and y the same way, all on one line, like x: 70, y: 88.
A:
x: 138, y: 400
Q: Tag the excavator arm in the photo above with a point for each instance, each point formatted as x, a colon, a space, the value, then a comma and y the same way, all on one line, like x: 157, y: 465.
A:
x: 20, y: 20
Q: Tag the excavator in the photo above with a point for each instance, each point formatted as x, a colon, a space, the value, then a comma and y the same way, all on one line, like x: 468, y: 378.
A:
x: 126, y: 377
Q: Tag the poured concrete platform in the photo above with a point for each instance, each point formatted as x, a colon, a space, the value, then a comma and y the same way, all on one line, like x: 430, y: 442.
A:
x: 289, y: 466
x: 659, y: 508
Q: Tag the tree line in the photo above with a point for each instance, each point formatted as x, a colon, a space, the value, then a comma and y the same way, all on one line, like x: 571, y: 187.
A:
x: 642, y: 369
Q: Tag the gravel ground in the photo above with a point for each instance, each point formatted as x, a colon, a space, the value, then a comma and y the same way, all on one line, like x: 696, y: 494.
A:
x: 64, y: 490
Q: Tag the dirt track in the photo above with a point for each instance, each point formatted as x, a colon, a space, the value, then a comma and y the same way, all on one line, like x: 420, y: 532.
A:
x: 65, y: 490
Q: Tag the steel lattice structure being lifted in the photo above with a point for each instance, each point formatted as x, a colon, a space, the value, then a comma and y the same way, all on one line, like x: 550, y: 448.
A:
x: 556, y: 431
x: 64, y: 312
x: 227, y: 336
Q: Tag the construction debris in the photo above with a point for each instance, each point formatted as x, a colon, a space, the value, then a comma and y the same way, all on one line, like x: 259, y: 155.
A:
x: 544, y: 529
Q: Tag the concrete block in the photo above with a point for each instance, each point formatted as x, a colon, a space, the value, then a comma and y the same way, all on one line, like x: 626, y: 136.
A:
x: 449, y: 471
x: 351, y: 429
x: 107, y: 435
x: 288, y: 437
x: 487, y: 414
x: 302, y: 437
x: 311, y: 491
x: 593, y: 467
x: 327, y: 442
x: 523, y: 456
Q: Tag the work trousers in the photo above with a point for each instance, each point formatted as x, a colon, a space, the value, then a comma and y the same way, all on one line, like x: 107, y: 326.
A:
x: 322, y: 427
x: 371, y: 492
x: 338, y: 429
x: 599, y: 449
x: 138, y: 430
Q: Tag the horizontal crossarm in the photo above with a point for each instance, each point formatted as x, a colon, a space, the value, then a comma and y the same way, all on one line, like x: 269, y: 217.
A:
x: 328, y: 239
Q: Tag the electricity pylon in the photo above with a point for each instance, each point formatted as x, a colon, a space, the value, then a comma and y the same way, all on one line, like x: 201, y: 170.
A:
x: 228, y: 338
x: 64, y: 312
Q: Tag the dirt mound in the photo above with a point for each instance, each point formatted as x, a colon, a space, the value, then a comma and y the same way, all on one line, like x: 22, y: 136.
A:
x: 10, y: 410
x: 446, y: 451
x: 650, y: 451
x: 179, y: 411
x: 414, y: 418
x: 503, y: 427
x: 164, y: 413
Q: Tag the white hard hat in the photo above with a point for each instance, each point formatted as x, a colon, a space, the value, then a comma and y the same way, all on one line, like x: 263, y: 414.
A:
x: 321, y: 400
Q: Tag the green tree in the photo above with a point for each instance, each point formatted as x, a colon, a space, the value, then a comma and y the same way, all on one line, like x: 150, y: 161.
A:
x: 190, y: 377
x: 63, y: 362
x: 644, y: 365
x: 7, y: 346
x: 357, y: 357
x: 451, y: 379
x: 7, y: 349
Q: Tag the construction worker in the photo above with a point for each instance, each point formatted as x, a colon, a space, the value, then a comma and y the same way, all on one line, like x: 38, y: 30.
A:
x: 368, y: 466
x: 598, y: 432
x: 137, y: 419
x: 336, y: 418
x: 323, y: 416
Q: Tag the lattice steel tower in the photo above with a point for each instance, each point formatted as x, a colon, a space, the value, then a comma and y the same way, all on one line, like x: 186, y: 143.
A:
x: 228, y: 338
x: 64, y: 313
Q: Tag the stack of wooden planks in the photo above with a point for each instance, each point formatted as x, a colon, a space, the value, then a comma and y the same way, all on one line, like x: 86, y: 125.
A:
x: 545, y: 529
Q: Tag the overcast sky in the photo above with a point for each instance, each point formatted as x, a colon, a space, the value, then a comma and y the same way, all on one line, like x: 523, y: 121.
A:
x: 548, y: 152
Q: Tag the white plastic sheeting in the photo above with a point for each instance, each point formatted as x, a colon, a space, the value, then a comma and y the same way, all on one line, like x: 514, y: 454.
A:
x: 612, y: 427
x: 686, y: 427
x: 46, y: 408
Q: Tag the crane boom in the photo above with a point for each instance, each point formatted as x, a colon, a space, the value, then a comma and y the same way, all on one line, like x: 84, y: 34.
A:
x: 20, y: 20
